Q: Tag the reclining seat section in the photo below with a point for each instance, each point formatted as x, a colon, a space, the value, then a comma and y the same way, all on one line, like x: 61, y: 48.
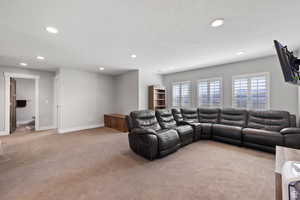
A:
x: 190, y: 117
x: 148, y: 139
x: 166, y: 121
x: 177, y: 115
x: 264, y: 128
x: 208, y: 117
x: 229, y: 129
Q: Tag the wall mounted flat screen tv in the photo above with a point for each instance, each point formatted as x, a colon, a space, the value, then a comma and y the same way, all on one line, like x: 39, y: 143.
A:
x: 289, y: 64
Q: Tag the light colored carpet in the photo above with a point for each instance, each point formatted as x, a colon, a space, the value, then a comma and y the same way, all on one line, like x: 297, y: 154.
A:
x: 98, y: 164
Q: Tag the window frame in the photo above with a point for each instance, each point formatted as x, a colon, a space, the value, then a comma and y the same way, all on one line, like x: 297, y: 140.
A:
x: 209, y: 80
x: 248, y: 77
x: 191, y: 94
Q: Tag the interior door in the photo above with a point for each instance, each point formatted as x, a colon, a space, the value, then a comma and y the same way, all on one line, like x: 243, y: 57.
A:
x: 13, y: 102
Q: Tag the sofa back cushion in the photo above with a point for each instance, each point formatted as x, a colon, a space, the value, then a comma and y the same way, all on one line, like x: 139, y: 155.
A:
x: 270, y: 120
x: 190, y: 114
x: 293, y: 121
x: 144, y: 119
x: 233, y: 117
x: 165, y: 118
x: 177, y: 114
x: 209, y: 115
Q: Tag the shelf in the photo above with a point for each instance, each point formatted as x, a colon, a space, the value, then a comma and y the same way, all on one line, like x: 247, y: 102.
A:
x: 157, y: 97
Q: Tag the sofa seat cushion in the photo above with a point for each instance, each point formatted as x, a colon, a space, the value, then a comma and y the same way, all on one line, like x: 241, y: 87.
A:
x: 186, y: 134
x: 262, y: 137
x: 197, y: 129
x: 184, y: 130
x: 233, y: 132
x: 167, y: 138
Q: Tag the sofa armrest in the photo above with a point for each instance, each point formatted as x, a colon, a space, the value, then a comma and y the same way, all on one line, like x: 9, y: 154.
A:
x: 182, y: 123
x: 141, y: 131
x: 291, y: 137
x: 291, y: 130
x: 144, y: 142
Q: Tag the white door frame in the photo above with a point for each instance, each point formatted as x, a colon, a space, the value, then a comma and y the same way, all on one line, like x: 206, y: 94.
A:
x: 36, y: 79
x: 57, y: 106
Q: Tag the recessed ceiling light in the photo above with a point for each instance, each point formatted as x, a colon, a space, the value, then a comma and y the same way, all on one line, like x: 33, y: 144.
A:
x: 217, y: 22
x: 40, y: 58
x: 23, y: 64
x: 240, y: 53
x: 101, y: 68
x: 133, y: 56
x: 52, y: 30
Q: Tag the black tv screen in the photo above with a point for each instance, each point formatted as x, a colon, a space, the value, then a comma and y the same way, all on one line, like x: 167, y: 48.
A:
x: 289, y: 63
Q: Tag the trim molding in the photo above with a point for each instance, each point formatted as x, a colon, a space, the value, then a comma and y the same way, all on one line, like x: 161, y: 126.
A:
x: 3, y: 133
x: 79, y: 128
x: 7, y: 77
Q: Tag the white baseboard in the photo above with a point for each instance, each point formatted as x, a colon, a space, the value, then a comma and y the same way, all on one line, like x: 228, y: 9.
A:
x: 67, y: 130
x: 46, y: 128
x: 3, y: 133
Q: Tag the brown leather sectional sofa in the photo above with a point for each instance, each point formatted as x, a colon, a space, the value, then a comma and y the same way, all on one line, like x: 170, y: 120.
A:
x: 154, y: 134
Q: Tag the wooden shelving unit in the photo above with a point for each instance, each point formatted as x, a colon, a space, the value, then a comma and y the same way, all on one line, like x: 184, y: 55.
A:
x: 157, y: 97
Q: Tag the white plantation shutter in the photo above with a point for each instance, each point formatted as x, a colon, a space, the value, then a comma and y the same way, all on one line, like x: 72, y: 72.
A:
x: 203, y: 93
x: 215, y: 93
x: 210, y: 93
x: 182, y: 94
x: 176, y: 95
x: 186, y: 94
x: 259, y: 93
x: 251, y: 92
x: 240, y: 93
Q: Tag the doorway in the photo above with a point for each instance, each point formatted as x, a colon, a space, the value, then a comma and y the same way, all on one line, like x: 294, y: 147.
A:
x: 22, y: 105
x: 21, y: 108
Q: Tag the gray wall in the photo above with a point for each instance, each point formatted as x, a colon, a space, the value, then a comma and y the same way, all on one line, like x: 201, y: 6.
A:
x: 147, y: 78
x: 46, y: 94
x: 127, y: 92
x: 283, y: 96
x: 84, y: 98
x: 132, y: 90
x: 25, y: 91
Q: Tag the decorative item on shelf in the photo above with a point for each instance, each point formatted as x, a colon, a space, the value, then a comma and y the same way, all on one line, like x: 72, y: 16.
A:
x: 157, y: 97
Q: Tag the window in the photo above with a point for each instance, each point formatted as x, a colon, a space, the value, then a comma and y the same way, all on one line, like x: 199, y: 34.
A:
x: 210, y: 92
x: 251, y: 91
x: 182, y: 94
